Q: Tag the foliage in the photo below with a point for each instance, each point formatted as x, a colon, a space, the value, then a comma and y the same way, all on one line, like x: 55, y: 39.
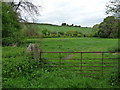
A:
x: 113, y: 7
x: 72, y: 25
x: 10, y: 26
x: 46, y: 33
x: 25, y: 6
x: 73, y: 33
x: 95, y: 30
x: 108, y: 28
x: 53, y: 34
x: 63, y: 24
x: 31, y: 32
x: 70, y: 33
x: 60, y: 34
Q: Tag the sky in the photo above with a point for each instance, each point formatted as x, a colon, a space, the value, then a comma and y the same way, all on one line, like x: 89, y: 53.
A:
x: 78, y: 12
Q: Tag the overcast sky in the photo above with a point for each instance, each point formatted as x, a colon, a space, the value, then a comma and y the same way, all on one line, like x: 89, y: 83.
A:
x: 78, y: 12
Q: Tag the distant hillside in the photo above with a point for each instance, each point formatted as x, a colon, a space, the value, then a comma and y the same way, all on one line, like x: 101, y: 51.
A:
x: 50, y: 27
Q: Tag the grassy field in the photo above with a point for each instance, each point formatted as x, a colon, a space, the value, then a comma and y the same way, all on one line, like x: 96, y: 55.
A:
x: 75, y: 44
x: 40, y: 27
x: 20, y: 70
x: 78, y: 44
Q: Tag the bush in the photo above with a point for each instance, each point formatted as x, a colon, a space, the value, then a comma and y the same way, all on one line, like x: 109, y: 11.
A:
x: 32, y: 32
x: 17, y: 39
x: 46, y: 32
x: 113, y: 77
x: 53, y: 34
x: 72, y: 33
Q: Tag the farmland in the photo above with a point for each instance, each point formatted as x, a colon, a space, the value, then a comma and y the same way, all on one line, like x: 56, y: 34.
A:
x: 40, y: 27
x: 80, y: 51
x: 20, y: 70
x: 59, y: 46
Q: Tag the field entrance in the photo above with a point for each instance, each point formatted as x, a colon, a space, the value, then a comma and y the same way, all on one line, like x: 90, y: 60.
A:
x: 90, y: 64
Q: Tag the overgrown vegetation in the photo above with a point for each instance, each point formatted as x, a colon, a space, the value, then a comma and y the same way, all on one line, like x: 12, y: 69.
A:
x: 31, y: 32
x: 11, y: 28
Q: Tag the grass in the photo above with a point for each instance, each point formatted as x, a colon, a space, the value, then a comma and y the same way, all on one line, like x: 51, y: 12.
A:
x: 75, y: 44
x: 21, y: 71
x: 41, y: 27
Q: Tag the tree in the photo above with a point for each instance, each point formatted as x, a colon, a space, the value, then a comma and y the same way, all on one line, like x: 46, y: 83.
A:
x: 72, y: 25
x: 25, y: 7
x: 12, y: 14
x: 95, y: 30
x: 10, y: 25
x: 63, y: 24
x: 113, y: 7
x: 108, y: 28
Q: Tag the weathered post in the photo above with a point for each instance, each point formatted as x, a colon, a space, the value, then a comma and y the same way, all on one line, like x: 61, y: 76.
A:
x: 60, y: 57
x: 34, y: 51
x: 81, y: 61
x: 102, y: 63
x: 40, y: 55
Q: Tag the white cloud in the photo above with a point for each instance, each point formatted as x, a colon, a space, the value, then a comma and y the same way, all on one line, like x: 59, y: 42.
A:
x: 81, y: 12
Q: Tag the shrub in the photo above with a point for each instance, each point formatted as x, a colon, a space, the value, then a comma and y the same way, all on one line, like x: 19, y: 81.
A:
x: 53, y: 34
x: 72, y: 33
x: 32, y: 32
x: 46, y: 32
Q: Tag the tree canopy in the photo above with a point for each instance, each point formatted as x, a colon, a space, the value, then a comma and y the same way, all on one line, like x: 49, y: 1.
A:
x: 25, y: 8
x: 113, y: 7
x: 10, y: 25
x: 108, y: 28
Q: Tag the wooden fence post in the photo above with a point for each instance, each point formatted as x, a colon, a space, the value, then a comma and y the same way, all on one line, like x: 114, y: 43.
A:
x: 81, y: 61
x: 40, y: 55
x: 102, y: 63
x: 60, y: 58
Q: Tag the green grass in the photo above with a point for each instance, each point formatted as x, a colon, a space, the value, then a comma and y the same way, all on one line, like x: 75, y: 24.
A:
x: 41, y: 27
x: 21, y: 71
x: 66, y: 28
x: 78, y: 44
x: 75, y: 44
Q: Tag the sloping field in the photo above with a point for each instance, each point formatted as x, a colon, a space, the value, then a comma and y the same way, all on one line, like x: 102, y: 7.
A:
x: 40, y: 27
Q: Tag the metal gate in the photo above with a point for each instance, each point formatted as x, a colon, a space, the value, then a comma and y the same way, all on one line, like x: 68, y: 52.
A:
x: 84, y: 63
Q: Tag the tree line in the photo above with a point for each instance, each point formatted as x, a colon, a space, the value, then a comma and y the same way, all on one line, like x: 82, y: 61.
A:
x: 65, y: 24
